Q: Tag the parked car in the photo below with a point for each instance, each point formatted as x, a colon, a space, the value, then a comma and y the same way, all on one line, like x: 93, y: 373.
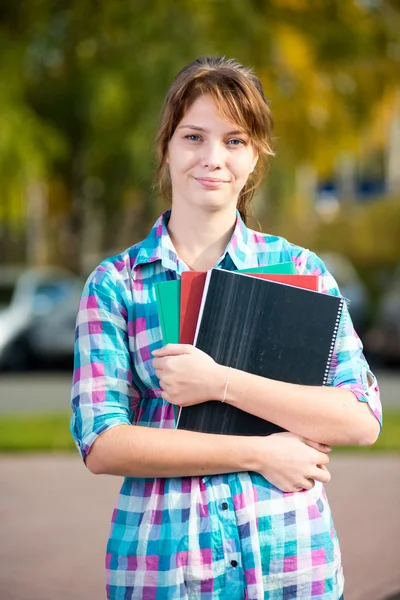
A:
x: 383, y: 339
x: 52, y: 336
x: 351, y: 287
x: 30, y: 299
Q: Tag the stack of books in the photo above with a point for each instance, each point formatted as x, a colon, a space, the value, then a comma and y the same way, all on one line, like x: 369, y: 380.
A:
x: 267, y: 321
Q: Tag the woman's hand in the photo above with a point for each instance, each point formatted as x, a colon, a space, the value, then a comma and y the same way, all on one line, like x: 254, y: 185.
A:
x: 187, y: 375
x: 292, y: 463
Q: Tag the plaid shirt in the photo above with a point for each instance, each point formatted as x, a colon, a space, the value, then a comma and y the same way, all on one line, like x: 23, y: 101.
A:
x: 224, y: 536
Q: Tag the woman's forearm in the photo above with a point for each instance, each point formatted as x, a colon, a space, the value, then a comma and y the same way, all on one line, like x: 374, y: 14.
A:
x: 135, y: 451
x: 327, y: 415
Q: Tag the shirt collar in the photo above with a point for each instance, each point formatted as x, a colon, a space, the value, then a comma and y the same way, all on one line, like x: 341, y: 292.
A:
x: 241, y: 247
x: 158, y: 246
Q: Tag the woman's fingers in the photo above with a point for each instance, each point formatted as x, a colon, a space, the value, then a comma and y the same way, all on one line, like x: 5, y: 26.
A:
x: 322, y: 459
x: 320, y: 447
x: 307, y: 484
x: 322, y: 475
x: 173, y: 350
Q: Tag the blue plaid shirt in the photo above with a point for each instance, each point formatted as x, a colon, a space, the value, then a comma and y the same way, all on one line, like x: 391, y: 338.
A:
x: 233, y: 535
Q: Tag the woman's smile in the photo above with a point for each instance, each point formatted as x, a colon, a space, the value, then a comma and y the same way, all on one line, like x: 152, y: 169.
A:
x: 209, y: 183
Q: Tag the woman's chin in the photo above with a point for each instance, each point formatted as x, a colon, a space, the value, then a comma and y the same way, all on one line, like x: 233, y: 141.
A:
x: 208, y: 202
x: 213, y: 202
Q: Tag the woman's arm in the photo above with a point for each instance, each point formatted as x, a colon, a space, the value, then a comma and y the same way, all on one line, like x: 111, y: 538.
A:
x: 288, y: 462
x: 135, y: 451
x: 328, y: 415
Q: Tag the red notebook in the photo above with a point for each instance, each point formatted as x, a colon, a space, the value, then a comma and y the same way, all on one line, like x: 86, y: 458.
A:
x: 192, y: 285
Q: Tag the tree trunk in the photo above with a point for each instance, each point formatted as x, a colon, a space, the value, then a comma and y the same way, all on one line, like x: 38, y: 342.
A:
x: 37, y: 248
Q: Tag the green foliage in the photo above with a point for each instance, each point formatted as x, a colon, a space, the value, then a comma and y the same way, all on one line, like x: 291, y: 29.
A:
x: 82, y: 85
x: 50, y: 433
x: 28, y: 144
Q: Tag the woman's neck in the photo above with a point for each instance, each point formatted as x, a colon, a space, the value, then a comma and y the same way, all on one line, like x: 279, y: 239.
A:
x: 200, y: 239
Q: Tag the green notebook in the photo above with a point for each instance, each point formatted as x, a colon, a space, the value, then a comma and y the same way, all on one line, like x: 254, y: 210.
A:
x: 168, y: 295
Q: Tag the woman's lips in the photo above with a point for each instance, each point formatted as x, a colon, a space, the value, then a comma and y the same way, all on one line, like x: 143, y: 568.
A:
x: 212, y: 184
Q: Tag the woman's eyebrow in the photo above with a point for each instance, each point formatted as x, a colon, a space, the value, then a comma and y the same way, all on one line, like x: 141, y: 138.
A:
x: 197, y: 128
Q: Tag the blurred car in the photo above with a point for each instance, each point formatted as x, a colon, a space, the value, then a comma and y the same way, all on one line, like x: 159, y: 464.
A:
x: 52, y: 336
x: 383, y: 339
x: 351, y: 287
x: 30, y: 299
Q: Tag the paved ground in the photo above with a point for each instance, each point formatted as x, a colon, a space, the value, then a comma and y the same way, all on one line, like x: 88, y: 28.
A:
x: 43, y: 391
x: 55, y: 517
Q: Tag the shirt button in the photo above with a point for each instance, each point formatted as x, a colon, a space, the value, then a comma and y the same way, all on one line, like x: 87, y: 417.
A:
x: 234, y: 563
x: 224, y: 506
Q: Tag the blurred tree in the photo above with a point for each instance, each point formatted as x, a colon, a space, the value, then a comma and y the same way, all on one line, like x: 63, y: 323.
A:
x: 82, y: 85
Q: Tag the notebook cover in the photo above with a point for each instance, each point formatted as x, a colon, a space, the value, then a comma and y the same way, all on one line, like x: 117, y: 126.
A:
x: 192, y: 286
x: 285, y: 268
x: 168, y: 305
x: 168, y: 300
x: 271, y: 329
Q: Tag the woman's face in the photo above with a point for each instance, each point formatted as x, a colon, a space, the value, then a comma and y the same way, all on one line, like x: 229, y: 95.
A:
x: 209, y: 158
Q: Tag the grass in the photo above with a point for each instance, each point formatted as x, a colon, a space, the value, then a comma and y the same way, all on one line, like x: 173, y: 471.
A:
x: 35, y: 433
x: 388, y: 441
x: 50, y: 433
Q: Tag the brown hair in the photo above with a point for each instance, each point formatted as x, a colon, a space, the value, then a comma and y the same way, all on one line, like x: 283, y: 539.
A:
x: 239, y: 96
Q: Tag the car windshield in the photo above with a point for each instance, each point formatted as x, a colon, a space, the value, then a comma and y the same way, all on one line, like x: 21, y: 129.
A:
x: 50, y: 293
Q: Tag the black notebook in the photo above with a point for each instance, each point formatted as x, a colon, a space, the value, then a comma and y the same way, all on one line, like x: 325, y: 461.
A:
x: 265, y: 328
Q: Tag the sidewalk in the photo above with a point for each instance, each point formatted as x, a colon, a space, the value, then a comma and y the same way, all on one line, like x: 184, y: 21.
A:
x: 55, y: 518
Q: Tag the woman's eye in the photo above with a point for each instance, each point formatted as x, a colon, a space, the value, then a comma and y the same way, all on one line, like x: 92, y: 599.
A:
x: 192, y: 137
x: 237, y: 142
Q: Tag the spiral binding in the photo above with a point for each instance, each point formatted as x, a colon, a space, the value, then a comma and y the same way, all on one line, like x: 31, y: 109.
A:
x: 333, y: 342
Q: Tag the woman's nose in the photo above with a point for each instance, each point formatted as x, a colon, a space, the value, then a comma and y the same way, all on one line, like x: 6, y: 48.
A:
x: 212, y: 156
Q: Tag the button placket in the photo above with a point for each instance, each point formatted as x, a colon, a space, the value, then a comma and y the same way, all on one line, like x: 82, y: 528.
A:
x: 231, y: 543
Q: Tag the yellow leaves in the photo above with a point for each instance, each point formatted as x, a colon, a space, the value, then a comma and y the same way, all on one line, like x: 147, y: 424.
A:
x: 383, y: 116
x: 295, y: 5
x: 58, y: 197
x: 294, y: 52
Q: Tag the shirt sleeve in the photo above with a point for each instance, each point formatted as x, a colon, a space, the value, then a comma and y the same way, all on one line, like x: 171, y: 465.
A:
x: 349, y: 368
x: 102, y: 375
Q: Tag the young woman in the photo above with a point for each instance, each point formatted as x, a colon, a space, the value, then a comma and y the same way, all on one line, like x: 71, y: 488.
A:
x: 204, y: 516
